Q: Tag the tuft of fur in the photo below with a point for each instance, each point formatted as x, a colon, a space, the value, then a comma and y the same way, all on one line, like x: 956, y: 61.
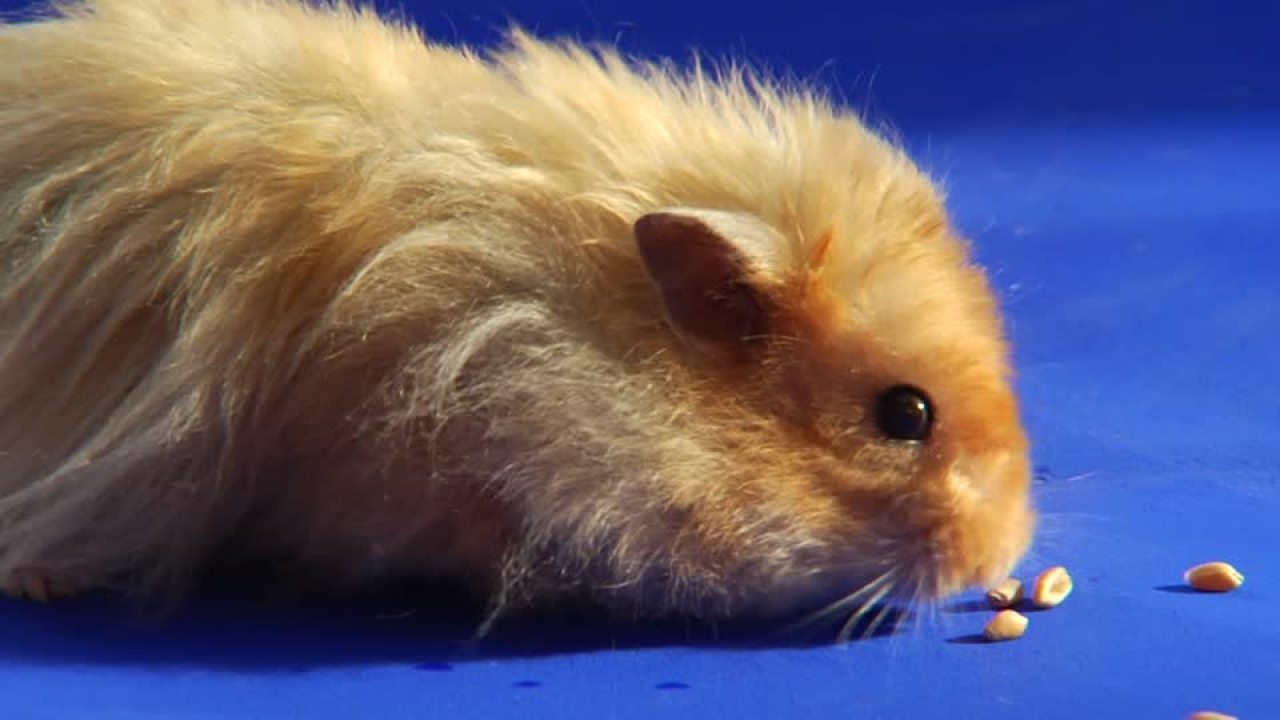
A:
x: 290, y: 281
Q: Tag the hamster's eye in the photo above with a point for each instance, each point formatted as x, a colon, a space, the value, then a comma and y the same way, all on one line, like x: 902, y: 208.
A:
x: 904, y: 413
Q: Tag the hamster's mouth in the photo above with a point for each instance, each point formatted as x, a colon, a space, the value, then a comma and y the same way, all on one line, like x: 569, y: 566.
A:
x: 873, y: 602
x: 919, y: 572
x: 971, y: 555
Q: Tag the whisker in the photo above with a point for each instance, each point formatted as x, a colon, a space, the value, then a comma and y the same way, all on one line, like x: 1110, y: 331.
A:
x: 837, y: 606
x: 1048, y: 486
x: 1058, y: 519
x: 916, y: 605
x: 875, y: 624
x: 847, y: 630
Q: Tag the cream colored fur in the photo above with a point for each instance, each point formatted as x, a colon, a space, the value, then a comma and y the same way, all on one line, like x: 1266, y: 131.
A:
x: 291, y: 281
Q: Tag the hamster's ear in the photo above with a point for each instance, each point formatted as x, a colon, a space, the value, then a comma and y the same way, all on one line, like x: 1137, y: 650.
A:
x: 711, y: 269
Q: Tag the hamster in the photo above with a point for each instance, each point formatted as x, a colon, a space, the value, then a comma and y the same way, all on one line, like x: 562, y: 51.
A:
x: 290, y: 282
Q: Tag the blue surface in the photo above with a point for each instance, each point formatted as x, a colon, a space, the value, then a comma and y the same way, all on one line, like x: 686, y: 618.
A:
x: 1117, y: 167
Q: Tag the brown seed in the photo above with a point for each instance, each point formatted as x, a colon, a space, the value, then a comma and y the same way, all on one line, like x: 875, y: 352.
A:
x: 1006, y: 625
x: 1214, y: 577
x: 1006, y: 594
x: 1210, y: 715
x: 1052, y: 587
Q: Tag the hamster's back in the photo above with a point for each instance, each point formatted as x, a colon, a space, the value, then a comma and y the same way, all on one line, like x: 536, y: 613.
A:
x: 187, y: 189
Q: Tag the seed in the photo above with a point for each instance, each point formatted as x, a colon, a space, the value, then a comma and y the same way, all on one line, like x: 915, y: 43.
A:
x: 1052, y: 587
x: 1210, y: 715
x: 1006, y: 594
x: 1214, y: 577
x: 1006, y: 625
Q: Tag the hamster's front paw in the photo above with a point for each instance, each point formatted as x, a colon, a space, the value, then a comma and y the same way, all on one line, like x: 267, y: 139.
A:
x: 40, y: 585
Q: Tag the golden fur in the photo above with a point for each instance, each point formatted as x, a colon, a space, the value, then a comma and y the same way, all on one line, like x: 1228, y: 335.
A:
x: 291, y: 282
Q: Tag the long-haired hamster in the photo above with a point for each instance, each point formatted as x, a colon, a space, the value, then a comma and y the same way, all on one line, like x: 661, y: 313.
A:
x: 288, y: 282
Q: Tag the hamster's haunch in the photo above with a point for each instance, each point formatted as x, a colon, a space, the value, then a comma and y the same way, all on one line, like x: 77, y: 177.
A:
x: 291, y: 283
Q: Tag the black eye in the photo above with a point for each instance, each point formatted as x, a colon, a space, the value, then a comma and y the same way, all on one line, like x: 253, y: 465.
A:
x: 904, y: 413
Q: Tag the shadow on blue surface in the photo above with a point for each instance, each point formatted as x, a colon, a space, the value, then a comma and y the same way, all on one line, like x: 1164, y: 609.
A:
x: 429, y: 627
x: 233, y: 634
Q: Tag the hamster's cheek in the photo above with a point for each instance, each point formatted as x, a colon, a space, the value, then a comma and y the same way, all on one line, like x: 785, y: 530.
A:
x: 832, y: 543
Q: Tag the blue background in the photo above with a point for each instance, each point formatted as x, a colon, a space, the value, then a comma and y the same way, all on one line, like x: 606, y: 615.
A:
x: 1116, y: 165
